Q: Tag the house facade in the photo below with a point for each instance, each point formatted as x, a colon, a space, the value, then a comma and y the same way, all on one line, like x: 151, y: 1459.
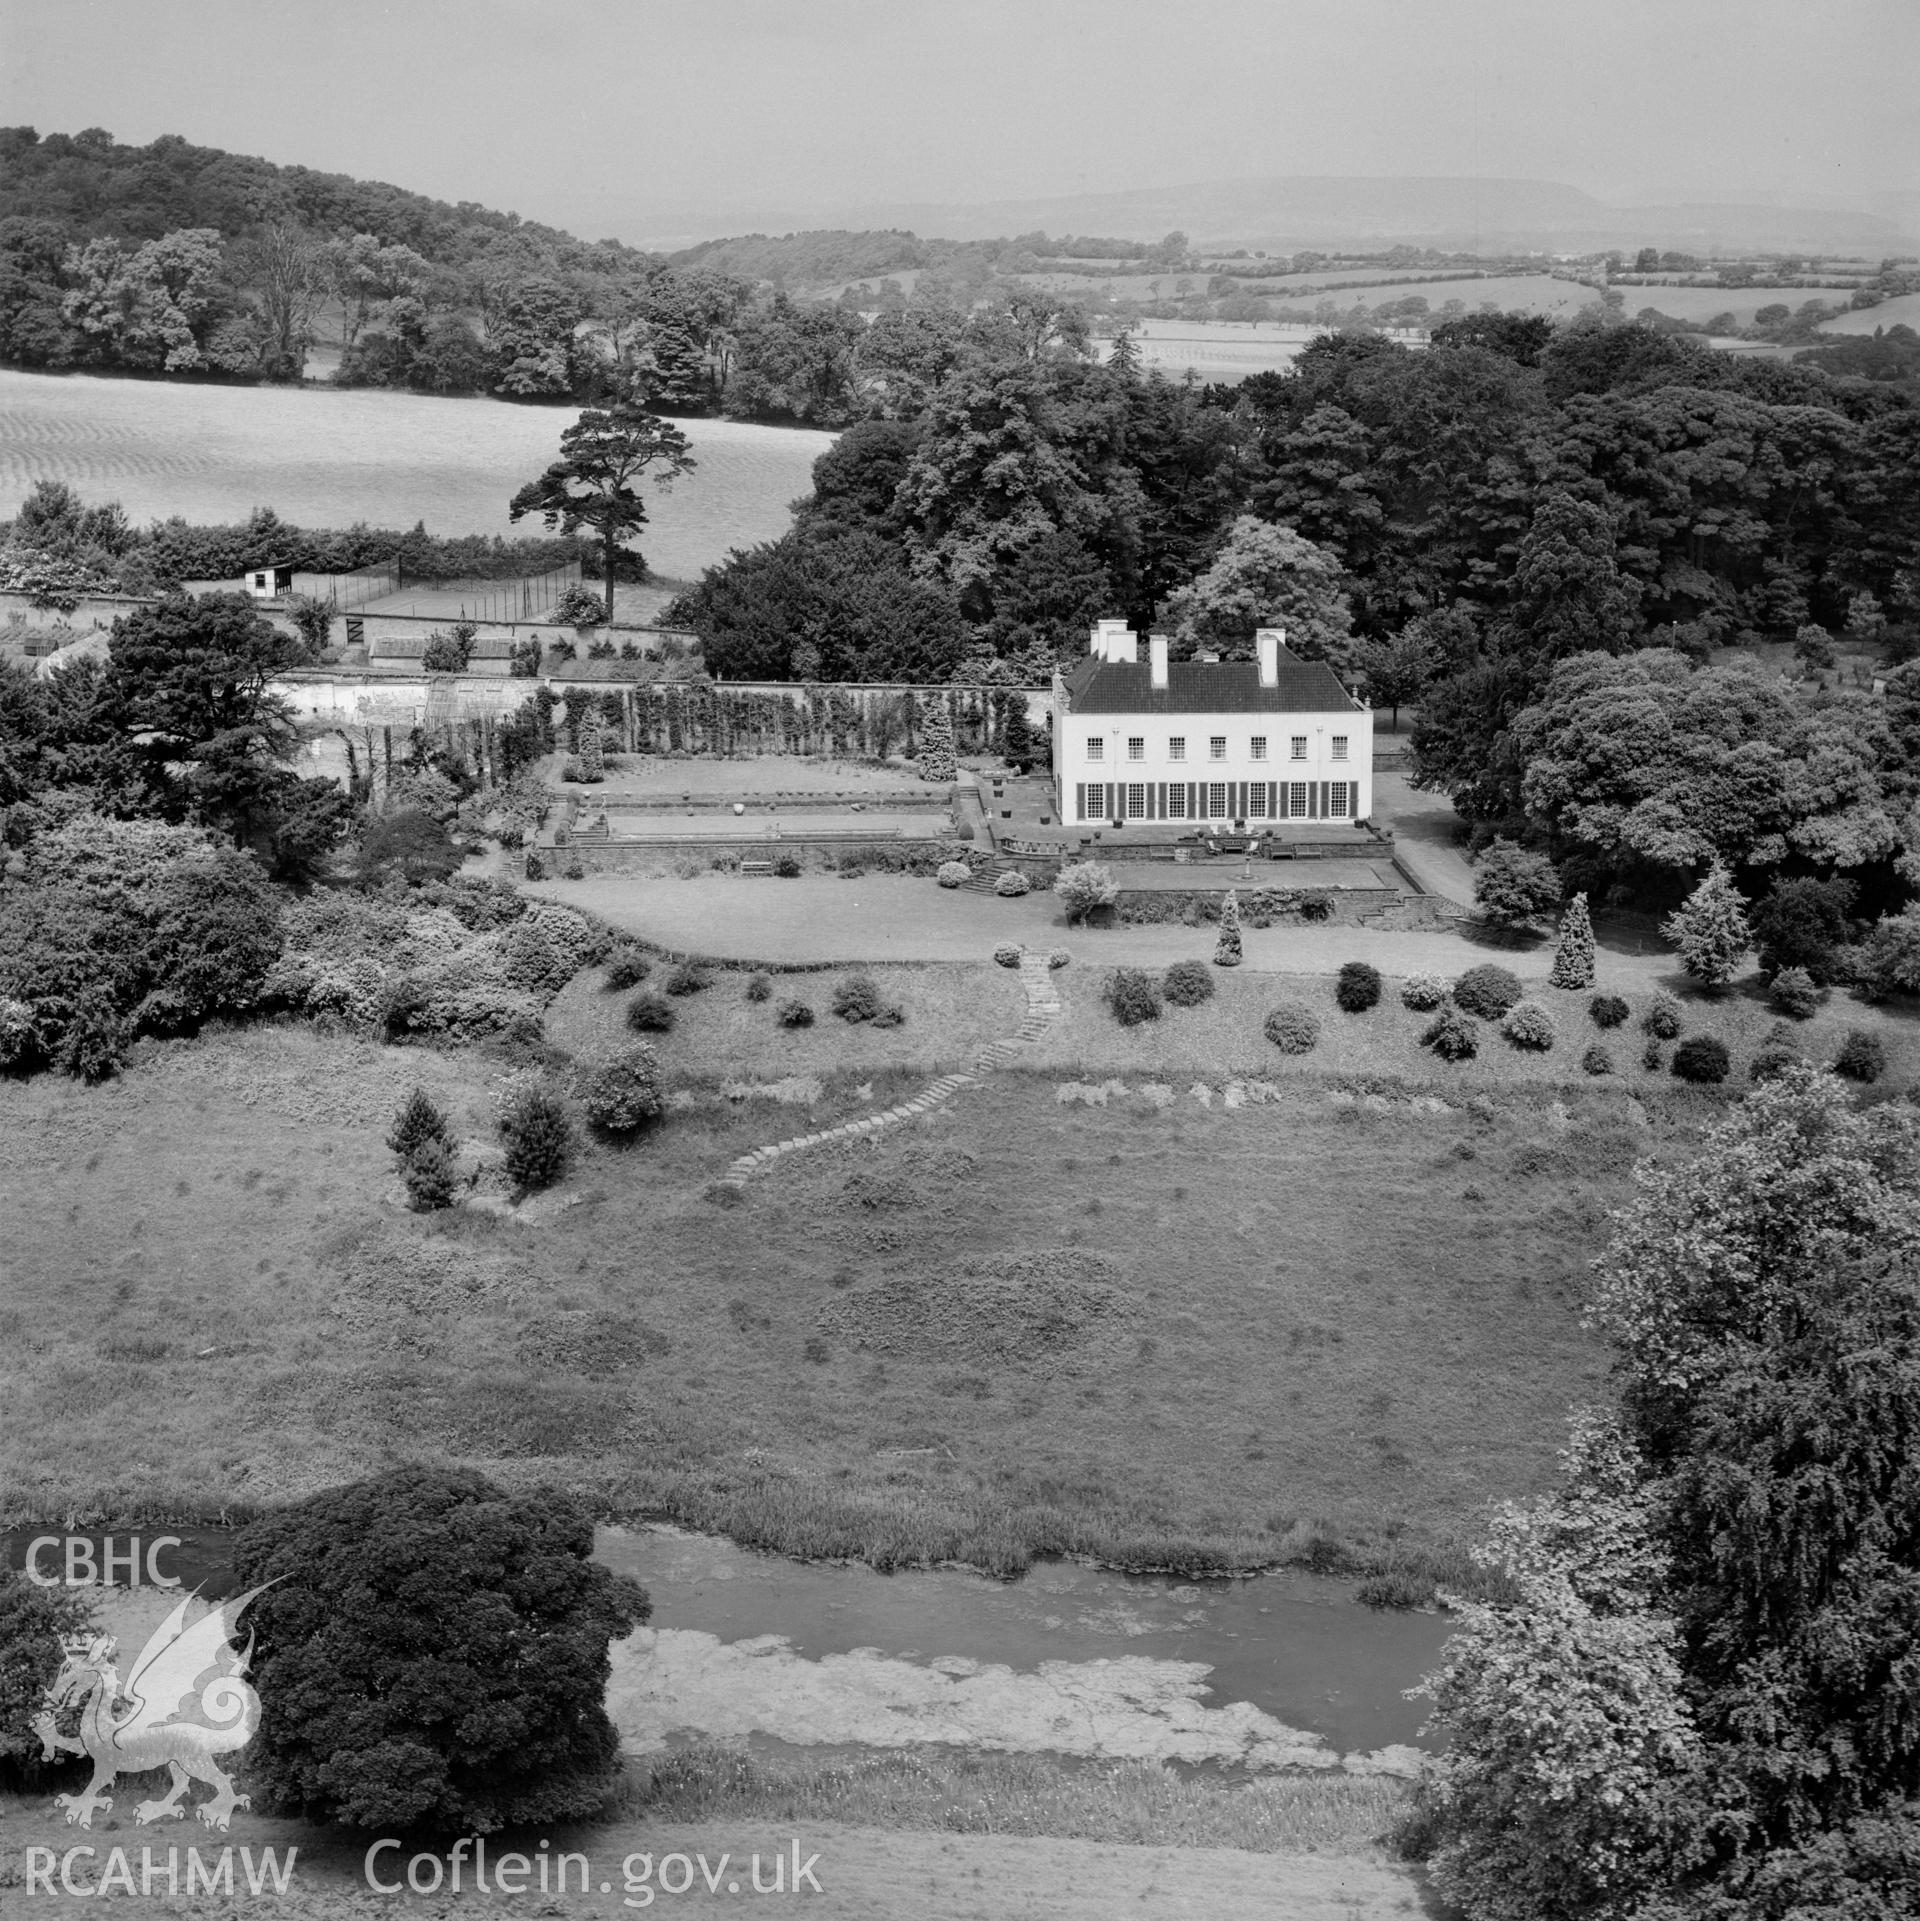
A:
x: 1161, y: 743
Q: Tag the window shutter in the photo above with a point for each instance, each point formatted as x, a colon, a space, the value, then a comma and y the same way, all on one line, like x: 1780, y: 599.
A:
x: 1313, y: 799
x: 1079, y: 800
x: 1273, y: 791
x: 1326, y: 799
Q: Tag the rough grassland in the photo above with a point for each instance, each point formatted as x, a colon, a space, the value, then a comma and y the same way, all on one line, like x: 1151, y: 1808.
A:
x: 941, y: 1839
x: 1299, y: 1331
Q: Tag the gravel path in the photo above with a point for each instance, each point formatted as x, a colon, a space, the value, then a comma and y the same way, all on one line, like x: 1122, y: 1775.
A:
x: 1043, y: 1009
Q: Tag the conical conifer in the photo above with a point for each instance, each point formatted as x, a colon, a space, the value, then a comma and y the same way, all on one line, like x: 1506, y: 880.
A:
x: 1573, y: 951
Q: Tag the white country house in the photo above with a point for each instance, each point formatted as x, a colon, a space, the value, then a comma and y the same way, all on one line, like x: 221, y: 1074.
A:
x: 1251, y: 744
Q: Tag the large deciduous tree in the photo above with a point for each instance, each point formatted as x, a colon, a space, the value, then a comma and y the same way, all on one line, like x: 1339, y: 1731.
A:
x: 1265, y: 576
x: 594, y: 484
x: 1701, y: 1703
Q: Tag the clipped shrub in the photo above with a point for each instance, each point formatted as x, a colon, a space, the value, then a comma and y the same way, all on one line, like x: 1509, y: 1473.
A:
x: 891, y: 1015
x: 621, y: 1091
x: 759, y: 988
x: 1358, y: 987
x: 1059, y: 958
x: 1608, y: 1010
x: 1862, y: 1056
x: 1702, y: 1058
x: 536, y: 868
x: 1652, y: 1058
x: 953, y: 873
x: 1487, y: 991
x: 1662, y: 1018
x: 1186, y: 984
x: 538, y: 1133
x: 1529, y: 1025
x: 430, y: 1176
x: 786, y: 866
x: 1452, y: 1036
x: 794, y: 1014
x: 1793, y: 992
x: 1132, y: 996
x: 1597, y: 1060
x: 1293, y: 1028
x: 1316, y: 904
x: 1008, y: 953
x: 687, y: 978
x: 650, y: 1014
x: 417, y: 1122
x: 1772, y: 1060
x: 627, y: 966
x: 857, y: 998
x: 1012, y: 884
x: 1424, y: 992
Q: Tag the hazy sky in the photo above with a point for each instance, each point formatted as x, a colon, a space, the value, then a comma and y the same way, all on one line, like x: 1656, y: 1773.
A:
x: 560, y: 109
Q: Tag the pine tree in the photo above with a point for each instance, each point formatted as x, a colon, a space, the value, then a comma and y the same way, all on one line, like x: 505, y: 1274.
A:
x: 418, y: 1123
x: 937, y: 762
x: 1227, y: 952
x: 1710, y: 929
x: 1573, y: 952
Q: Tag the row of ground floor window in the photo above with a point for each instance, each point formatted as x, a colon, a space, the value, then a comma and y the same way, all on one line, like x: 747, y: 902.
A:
x: 1216, y: 800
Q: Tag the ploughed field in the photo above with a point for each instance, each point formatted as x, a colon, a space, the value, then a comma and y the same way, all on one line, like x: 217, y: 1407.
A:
x: 322, y: 458
x: 1327, y: 1326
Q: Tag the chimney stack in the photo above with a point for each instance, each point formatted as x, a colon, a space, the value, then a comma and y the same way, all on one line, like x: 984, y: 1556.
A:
x: 1268, y: 641
x: 1157, y: 662
x: 1114, y: 643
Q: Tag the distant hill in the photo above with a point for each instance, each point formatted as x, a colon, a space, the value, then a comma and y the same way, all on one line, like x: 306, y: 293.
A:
x: 89, y: 184
x: 1286, y: 214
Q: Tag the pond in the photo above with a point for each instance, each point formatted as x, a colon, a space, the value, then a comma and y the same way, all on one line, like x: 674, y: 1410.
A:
x: 326, y: 458
x: 1282, y: 1670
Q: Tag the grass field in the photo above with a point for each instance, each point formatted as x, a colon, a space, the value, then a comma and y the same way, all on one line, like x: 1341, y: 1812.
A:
x: 1188, y: 1337
x: 328, y: 459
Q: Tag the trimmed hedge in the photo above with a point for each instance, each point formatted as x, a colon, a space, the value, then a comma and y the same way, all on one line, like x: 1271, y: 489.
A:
x: 1597, y: 1060
x: 1608, y: 1010
x: 1424, y: 992
x: 795, y: 1014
